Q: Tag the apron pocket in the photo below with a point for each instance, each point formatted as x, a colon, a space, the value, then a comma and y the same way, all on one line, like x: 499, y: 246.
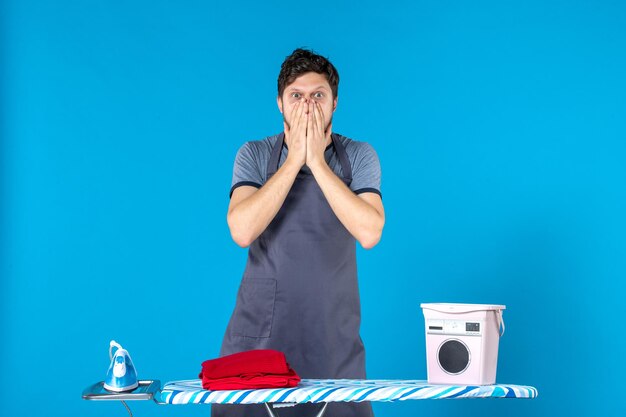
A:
x: 255, y: 307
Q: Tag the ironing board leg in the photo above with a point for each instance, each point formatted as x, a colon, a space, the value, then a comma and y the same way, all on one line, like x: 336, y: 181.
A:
x: 269, y: 410
x: 321, y: 413
x: 272, y: 414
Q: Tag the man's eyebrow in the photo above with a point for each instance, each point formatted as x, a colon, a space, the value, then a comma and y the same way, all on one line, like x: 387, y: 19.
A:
x: 316, y: 88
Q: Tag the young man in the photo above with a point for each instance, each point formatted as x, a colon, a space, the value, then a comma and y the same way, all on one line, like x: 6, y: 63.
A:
x: 300, y: 200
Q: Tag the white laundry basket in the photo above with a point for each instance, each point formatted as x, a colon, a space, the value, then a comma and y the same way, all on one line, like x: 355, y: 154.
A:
x: 462, y: 342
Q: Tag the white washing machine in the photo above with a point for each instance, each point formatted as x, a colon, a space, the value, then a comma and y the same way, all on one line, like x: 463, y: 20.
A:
x: 462, y: 342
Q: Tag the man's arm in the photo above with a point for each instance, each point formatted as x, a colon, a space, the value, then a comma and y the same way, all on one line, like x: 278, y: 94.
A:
x: 363, y: 215
x: 251, y: 210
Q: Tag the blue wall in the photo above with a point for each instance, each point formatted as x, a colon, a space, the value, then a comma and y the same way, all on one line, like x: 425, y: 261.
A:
x: 501, y: 132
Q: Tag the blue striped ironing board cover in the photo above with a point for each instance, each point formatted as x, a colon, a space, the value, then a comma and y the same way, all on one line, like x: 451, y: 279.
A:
x: 330, y: 390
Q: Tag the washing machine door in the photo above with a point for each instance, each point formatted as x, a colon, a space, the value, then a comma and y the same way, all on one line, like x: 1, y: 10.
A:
x: 453, y: 356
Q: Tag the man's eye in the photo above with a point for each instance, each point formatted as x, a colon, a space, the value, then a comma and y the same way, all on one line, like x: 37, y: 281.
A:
x: 319, y: 95
x: 295, y: 94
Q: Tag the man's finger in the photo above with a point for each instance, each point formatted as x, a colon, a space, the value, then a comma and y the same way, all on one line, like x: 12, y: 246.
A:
x: 295, y: 116
x: 301, y: 114
x: 313, y: 118
x: 309, y: 125
x: 294, y: 109
x: 320, y: 118
x: 307, y: 117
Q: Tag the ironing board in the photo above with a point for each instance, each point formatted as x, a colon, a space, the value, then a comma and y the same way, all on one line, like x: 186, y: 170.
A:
x: 330, y: 390
x: 322, y: 391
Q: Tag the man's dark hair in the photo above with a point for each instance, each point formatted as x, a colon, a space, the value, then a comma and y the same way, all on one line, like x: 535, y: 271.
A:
x: 302, y: 61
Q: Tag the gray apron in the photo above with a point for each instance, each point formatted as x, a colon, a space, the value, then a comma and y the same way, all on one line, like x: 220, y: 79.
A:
x: 299, y: 294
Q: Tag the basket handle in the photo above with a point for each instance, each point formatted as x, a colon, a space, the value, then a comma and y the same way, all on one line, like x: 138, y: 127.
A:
x: 501, y: 327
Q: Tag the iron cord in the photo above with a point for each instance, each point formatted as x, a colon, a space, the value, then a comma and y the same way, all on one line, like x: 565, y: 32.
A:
x: 129, y: 412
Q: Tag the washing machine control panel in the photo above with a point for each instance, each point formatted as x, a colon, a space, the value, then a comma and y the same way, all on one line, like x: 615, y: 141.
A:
x: 456, y: 327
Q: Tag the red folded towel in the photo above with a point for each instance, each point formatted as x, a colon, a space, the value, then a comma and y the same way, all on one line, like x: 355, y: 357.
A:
x: 258, y: 368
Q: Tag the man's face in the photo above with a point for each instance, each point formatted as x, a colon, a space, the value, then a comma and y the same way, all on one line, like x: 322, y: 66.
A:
x: 310, y: 86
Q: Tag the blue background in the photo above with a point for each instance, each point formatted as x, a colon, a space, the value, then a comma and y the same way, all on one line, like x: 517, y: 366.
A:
x: 501, y: 132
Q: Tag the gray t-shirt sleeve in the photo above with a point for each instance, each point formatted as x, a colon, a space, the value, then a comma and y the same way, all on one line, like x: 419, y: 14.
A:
x: 246, y: 168
x: 366, y: 171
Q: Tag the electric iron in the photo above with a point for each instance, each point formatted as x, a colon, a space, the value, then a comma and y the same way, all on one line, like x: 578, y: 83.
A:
x: 121, y: 375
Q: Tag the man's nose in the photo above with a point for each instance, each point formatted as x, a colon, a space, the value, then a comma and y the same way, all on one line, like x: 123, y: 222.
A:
x: 306, y: 100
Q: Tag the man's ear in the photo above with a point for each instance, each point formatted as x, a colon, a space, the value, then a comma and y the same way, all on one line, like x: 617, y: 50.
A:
x: 279, y: 101
x: 335, y: 104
